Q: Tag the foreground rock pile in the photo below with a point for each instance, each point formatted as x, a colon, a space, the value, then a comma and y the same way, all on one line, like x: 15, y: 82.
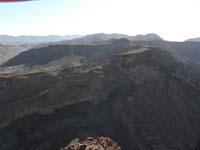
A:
x: 100, y: 143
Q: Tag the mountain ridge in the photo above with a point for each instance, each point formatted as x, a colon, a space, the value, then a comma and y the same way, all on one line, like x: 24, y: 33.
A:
x: 115, y: 97
x: 193, y: 39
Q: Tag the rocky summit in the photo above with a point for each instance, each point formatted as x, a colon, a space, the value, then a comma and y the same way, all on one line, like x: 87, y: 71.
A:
x: 100, y: 143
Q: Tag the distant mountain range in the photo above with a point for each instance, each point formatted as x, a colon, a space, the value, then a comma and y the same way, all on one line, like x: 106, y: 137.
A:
x: 99, y: 37
x: 45, y: 53
x: 10, y: 46
x: 194, y: 39
x: 140, y: 37
x: 6, y: 39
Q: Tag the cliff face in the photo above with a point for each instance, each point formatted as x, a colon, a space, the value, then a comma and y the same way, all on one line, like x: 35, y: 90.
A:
x: 141, y: 98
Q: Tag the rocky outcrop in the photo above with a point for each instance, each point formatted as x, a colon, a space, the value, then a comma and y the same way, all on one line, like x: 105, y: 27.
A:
x: 100, y: 143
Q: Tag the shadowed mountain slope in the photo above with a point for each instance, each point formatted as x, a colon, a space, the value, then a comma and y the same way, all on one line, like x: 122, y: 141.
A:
x: 9, y: 51
x: 45, y: 55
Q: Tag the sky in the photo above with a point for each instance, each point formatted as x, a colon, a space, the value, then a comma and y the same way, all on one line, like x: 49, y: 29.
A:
x: 174, y: 20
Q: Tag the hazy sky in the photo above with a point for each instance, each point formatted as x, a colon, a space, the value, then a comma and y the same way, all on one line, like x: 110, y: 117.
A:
x: 171, y: 19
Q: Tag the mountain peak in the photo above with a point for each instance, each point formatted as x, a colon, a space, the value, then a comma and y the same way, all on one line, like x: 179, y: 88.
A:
x: 147, y: 37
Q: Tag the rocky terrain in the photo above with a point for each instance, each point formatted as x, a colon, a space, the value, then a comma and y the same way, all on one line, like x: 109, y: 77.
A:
x: 100, y: 143
x: 141, y: 95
